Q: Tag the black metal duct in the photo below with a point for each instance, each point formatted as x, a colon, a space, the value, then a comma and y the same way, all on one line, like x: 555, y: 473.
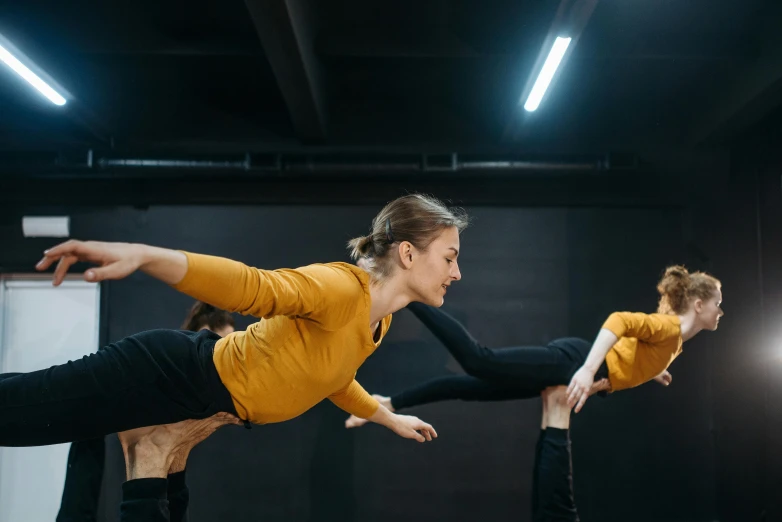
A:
x: 324, y: 163
x: 335, y: 164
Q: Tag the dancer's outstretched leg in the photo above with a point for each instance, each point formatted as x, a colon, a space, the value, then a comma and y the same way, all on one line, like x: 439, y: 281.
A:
x: 537, y: 367
x: 151, y: 378
x: 555, y: 498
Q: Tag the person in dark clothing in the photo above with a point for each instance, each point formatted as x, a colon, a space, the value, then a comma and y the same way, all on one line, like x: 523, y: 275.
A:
x: 84, y: 473
x: 155, y: 461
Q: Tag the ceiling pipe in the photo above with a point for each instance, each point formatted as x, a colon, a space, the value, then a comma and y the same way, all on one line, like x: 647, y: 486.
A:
x: 333, y: 164
x: 320, y: 163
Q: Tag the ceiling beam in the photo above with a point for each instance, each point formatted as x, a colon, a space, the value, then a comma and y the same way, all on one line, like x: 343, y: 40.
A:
x: 286, y: 30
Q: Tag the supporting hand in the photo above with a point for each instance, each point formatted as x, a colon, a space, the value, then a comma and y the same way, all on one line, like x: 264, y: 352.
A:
x: 579, y: 388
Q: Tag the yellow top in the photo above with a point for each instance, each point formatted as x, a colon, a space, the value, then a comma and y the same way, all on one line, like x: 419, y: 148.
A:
x: 648, y: 344
x: 314, y: 335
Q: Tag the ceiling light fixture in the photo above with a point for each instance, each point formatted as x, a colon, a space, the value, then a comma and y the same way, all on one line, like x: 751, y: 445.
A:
x: 547, y: 73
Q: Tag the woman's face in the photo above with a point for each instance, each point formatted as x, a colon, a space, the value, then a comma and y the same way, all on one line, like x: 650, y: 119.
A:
x: 431, y: 272
x: 709, y: 311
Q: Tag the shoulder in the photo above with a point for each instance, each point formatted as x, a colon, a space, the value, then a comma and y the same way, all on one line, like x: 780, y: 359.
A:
x: 667, y: 321
x: 622, y: 323
x: 339, y: 278
x: 340, y: 289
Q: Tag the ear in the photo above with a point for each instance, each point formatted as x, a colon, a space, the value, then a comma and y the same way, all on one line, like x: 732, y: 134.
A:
x: 698, y: 305
x: 406, y: 251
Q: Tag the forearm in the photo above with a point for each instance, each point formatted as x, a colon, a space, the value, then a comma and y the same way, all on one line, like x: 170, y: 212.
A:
x: 603, y: 343
x: 169, y: 266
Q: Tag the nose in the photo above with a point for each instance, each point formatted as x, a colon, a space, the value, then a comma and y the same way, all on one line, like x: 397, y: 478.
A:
x: 456, y: 275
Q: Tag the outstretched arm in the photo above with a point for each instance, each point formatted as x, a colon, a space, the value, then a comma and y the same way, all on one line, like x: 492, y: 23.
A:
x: 116, y: 260
x: 449, y: 388
x: 581, y: 383
x: 324, y: 294
x: 356, y: 401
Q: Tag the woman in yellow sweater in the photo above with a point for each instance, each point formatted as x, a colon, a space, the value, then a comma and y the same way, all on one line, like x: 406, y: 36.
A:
x: 320, y: 323
x: 630, y: 349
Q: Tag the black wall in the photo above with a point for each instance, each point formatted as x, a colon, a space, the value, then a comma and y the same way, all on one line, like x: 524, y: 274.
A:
x: 700, y: 450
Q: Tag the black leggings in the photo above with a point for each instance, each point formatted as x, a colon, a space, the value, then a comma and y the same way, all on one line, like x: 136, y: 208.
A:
x: 83, y: 478
x: 460, y: 387
x: 150, y: 378
x: 552, y: 479
x: 155, y: 499
x: 506, y: 374
x: 527, y: 368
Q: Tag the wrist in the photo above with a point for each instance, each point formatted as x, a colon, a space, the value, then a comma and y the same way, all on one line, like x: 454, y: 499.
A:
x: 383, y: 416
x: 143, y: 253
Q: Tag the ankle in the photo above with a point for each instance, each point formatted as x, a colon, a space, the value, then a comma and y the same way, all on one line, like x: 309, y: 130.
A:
x: 146, y: 460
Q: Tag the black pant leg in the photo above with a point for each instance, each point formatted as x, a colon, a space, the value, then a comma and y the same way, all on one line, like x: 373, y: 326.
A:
x: 460, y: 387
x: 536, y: 367
x: 144, y: 500
x: 151, y: 378
x: 556, y: 502
x: 83, y: 477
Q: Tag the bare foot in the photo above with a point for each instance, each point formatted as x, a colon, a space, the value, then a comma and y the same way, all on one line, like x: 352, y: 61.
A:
x: 385, y: 401
x: 156, y: 451
x: 195, y: 432
x: 354, y: 422
x: 598, y: 386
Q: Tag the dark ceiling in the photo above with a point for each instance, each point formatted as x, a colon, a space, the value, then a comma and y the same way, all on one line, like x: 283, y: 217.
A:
x: 194, y: 77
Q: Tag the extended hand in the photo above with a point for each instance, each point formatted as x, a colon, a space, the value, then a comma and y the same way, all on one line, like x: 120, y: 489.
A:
x: 116, y: 260
x: 411, y: 427
x: 579, y: 388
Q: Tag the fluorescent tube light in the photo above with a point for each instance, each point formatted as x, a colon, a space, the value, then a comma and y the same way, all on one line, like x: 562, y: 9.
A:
x: 7, y: 56
x: 547, y: 73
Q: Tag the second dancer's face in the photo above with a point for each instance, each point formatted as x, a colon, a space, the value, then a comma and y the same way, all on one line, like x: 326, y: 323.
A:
x: 710, y: 311
x: 432, y: 271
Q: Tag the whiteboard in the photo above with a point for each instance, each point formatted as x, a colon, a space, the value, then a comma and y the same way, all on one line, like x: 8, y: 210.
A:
x: 41, y: 326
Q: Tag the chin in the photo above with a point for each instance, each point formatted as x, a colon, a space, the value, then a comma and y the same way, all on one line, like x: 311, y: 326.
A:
x: 436, y: 301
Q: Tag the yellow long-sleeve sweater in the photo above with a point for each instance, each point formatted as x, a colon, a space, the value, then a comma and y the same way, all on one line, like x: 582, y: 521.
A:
x: 314, y: 335
x: 647, y: 345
